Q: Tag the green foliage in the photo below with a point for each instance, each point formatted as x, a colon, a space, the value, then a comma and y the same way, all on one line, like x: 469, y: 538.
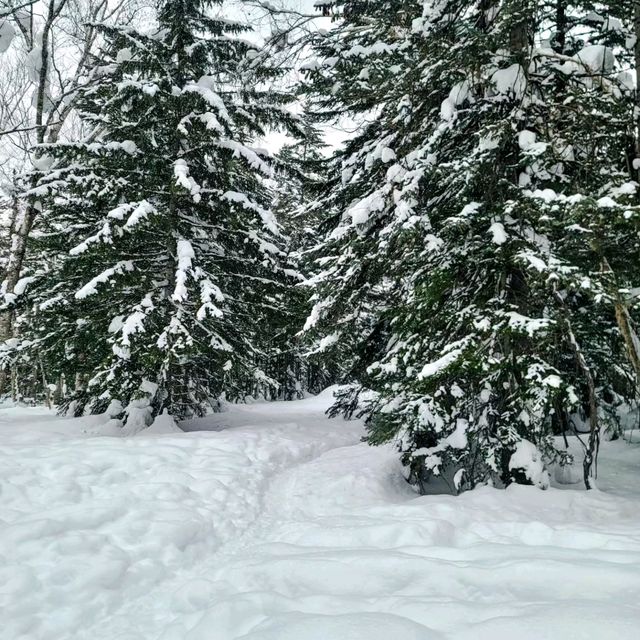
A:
x: 468, y: 271
x: 163, y: 270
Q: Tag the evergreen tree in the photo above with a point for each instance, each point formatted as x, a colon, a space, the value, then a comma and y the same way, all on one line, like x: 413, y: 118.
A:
x: 299, y: 181
x: 302, y: 179
x: 460, y: 270
x: 164, y: 264
x: 364, y: 73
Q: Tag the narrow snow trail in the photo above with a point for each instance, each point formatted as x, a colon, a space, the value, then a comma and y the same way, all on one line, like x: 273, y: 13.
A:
x: 344, y: 550
x: 279, y: 525
x: 96, y: 531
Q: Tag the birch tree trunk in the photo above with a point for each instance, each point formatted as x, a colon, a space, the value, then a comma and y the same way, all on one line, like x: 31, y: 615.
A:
x: 51, y: 113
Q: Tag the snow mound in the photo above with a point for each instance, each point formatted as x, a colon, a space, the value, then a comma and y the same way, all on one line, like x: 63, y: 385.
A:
x: 163, y: 424
x: 527, y: 460
x: 364, y: 626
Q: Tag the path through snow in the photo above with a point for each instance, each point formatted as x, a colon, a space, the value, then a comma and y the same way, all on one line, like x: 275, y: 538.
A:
x: 279, y: 525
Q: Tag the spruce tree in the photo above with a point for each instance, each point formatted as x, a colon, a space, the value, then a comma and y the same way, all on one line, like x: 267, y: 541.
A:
x: 364, y: 73
x: 301, y: 178
x: 297, y: 185
x: 164, y: 265
x: 458, y: 269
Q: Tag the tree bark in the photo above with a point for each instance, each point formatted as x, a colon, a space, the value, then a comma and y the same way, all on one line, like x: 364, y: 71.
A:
x: 560, y: 38
x: 593, y: 446
x: 623, y: 318
x: 18, y: 245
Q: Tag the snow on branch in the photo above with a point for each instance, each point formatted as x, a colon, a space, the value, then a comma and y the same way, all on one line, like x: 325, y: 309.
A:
x: 250, y: 155
x: 185, y: 255
x: 267, y: 217
x: 91, y: 288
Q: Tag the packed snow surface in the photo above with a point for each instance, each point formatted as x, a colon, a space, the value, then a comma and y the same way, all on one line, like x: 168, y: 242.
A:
x: 271, y: 522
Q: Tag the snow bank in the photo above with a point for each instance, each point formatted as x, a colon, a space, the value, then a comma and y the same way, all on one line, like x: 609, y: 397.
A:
x: 277, y: 524
x: 97, y: 533
x: 162, y: 425
x: 343, y: 540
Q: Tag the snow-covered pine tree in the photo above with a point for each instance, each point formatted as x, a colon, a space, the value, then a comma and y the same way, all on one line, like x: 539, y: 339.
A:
x: 363, y: 77
x: 163, y: 261
x: 491, y: 334
x: 297, y: 186
x: 300, y: 180
x: 590, y: 205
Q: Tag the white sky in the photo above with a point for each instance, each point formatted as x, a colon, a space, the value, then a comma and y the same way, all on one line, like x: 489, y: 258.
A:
x: 264, y: 26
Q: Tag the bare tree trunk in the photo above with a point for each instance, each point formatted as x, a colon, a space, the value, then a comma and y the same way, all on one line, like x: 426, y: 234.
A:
x: 45, y: 386
x: 625, y: 324
x: 22, y: 232
x: 629, y: 336
x: 560, y: 37
x: 49, y: 121
x: 14, y: 383
x: 6, y: 317
x: 593, y: 446
x: 58, y: 396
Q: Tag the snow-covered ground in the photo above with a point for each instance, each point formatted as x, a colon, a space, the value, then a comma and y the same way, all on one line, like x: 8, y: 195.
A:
x: 277, y: 524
